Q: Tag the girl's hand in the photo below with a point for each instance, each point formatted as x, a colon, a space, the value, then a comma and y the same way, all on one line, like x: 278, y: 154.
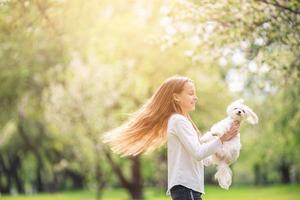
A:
x: 233, y: 131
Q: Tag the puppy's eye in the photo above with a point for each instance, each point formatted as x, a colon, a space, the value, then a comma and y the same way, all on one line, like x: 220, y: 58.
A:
x: 243, y: 111
x: 234, y: 108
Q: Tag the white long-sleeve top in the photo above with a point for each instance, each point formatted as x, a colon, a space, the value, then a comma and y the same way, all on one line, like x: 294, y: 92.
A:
x: 185, y: 154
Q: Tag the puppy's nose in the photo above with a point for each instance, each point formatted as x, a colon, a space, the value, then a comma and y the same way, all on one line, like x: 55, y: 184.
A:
x: 239, y: 112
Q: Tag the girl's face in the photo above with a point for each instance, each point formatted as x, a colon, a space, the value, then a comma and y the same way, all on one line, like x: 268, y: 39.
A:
x: 187, y: 98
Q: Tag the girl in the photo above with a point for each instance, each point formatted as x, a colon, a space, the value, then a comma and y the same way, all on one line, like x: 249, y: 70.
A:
x: 165, y: 118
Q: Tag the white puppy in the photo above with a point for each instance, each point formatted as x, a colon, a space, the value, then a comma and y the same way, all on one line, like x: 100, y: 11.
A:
x: 230, y: 150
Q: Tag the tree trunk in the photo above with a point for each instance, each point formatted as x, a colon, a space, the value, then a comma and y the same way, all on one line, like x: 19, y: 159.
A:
x: 77, y: 179
x: 39, y: 181
x: 15, y: 168
x: 260, y: 174
x: 5, y: 188
x: 136, y: 190
x: 30, y: 145
x: 11, y: 169
x: 284, y: 170
x: 135, y: 186
x: 100, y: 179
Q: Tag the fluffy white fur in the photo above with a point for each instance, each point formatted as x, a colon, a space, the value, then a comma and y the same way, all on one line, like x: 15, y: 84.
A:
x: 230, y: 150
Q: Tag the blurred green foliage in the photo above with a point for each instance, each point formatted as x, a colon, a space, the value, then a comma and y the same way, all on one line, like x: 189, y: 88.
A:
x: 71, y: 70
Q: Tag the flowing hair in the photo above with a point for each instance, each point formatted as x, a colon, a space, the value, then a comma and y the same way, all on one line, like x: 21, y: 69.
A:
x: 146, y: 129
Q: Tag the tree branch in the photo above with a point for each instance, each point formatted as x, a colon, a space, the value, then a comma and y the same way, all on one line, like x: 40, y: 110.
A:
x: 125, y: 183
x: 276, y: 4
x: 46, y: 17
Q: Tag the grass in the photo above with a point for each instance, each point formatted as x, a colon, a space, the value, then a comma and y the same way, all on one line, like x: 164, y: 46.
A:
x: 276, y: 192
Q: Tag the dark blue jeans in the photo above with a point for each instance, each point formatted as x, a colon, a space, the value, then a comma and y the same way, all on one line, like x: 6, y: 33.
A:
x: 180, y: 192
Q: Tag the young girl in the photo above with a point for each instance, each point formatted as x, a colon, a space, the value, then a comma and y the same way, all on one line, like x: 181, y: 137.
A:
x: 165, y: 118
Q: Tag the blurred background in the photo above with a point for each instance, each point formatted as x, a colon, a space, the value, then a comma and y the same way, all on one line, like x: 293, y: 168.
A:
x: 72, y: 70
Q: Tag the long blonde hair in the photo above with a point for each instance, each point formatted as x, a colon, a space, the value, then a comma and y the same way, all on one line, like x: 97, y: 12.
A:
x: 146, y: 129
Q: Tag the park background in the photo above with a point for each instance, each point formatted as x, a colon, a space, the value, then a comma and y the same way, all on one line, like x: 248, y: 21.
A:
x: 72, y: 70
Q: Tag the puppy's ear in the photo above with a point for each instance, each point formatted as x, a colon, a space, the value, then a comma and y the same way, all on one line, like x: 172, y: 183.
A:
x: 229, y: 108
x: 251, y: 116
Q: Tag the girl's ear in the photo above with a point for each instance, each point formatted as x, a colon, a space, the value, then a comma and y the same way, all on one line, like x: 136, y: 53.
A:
x: 175, y: 97
x: 251, y: 116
